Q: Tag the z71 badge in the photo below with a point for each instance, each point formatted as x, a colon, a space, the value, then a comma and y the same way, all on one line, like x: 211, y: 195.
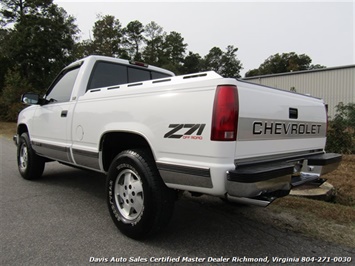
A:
x: 194, y: 131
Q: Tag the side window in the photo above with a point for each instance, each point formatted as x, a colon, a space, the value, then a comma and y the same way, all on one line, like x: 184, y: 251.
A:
x: 135, y: 74
x: 62, y: 89
x: 107, y: 74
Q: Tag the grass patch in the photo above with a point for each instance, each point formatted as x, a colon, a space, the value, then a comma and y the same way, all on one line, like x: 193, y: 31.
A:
x: 7, y: 129
x: 320, y: 209
x: 343, y: 180
x: 332, y: 221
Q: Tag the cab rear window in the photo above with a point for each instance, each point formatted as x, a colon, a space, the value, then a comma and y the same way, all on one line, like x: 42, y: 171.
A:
x: 107, y: 74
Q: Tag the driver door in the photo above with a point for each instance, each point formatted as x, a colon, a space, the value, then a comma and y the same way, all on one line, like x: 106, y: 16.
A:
x: 50, y: 134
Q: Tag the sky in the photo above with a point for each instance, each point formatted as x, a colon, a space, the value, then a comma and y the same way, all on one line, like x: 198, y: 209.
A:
x: 323, y: 30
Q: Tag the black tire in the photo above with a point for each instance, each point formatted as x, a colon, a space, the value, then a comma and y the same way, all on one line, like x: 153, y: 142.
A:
x: 139, y: 202
x: 30, y: 165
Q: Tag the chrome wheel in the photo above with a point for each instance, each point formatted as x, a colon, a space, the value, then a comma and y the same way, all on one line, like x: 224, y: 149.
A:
x: 23, y: 158
x: 30, y: 165
x: 139, y: 202
x: 129, y: 196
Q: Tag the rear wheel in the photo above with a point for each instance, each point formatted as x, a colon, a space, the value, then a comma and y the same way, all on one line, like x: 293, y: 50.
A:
x: 30, y: 164
x: 139, y: 202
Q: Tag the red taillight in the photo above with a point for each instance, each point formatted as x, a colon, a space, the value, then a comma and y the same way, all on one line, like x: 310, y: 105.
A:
x: 225, y: 114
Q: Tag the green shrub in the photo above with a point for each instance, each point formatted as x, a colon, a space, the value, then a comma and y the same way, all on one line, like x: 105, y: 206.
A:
x: 10, y: 105
x: 341, y: 130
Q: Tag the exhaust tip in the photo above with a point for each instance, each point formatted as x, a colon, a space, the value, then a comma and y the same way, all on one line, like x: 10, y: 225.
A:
x: 261, y: 202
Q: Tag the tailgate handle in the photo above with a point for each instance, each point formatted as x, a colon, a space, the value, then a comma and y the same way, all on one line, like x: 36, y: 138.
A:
x: 293, y: 113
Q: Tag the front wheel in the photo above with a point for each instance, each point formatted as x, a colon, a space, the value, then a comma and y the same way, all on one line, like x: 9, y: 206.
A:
x: 30, y: 164
x: 139, y: 202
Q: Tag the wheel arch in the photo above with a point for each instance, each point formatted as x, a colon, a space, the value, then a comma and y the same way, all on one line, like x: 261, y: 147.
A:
x: 114, y: 142
x: 22, y: 128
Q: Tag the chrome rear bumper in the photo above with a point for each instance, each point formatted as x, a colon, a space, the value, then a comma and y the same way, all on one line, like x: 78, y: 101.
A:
x: 259, y: 184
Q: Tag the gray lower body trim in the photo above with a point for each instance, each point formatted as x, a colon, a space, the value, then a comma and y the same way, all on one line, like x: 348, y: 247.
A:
x: 52, y: 151
x: 185, y: 175
x: 86, y: 158
x: 82, y: 158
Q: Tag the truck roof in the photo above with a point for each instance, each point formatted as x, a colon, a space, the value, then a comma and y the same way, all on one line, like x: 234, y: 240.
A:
x: 120, y: 61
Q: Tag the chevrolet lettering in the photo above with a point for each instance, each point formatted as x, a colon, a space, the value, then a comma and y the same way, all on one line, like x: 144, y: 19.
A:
x: 154, y: 134
x: 285, y: 128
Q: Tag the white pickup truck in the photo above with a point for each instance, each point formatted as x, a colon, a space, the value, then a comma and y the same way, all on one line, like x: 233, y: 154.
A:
x: 155, y: 134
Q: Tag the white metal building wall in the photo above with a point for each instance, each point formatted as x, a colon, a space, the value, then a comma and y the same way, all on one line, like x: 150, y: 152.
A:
x: 333, y: 85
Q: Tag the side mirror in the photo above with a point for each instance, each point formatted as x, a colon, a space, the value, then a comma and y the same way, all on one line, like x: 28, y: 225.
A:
x: 30, y: 98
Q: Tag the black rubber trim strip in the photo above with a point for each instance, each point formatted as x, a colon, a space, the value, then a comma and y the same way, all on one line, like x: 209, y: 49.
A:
x: 134, y: 84
x: 159, y: 81
x: 49, y: 146
x: 113, y: 87
x: 195, y: 76
x: 261, y: 172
